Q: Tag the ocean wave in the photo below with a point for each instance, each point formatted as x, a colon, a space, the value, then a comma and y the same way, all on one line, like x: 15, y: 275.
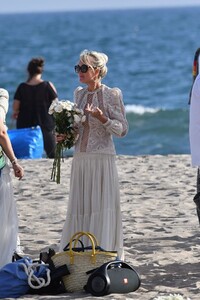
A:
x: 140, y: 110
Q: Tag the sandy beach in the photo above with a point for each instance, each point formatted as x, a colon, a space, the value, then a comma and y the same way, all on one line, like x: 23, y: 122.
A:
x: 161, y: 230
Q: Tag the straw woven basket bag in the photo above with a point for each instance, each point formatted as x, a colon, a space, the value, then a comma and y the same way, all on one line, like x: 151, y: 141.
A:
x: 80, y: 260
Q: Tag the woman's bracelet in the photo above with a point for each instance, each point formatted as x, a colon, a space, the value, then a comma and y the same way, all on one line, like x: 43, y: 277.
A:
x: 14, y: 161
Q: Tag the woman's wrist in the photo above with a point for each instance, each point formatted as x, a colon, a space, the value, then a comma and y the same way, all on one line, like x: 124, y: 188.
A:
x: 14, y: 161
x: 103, y: 119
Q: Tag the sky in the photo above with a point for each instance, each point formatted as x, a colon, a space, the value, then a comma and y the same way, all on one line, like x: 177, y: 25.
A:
x: 15, y: 6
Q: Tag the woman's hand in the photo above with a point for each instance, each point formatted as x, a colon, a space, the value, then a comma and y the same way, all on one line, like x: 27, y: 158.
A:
x: 15, y: 115
x: 60, y: 137
x: 96, y: 112
x: 18, y: 170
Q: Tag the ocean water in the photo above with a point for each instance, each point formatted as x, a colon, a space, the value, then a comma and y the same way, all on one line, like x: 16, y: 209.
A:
x: 150, y: 59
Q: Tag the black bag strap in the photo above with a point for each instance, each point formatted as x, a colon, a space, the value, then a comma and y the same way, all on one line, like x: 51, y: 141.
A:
x: 78, y: 249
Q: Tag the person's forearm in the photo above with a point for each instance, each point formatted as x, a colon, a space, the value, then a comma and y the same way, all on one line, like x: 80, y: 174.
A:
x: 16, y: 106
x: 7, y: 146
x: 103, y: 119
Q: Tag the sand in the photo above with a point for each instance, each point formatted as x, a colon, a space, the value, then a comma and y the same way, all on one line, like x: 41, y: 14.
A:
x: 161, y: 230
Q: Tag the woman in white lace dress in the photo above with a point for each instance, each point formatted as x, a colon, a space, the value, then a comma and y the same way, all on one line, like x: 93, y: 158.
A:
x: 94, y: 201
x: 8, y: 213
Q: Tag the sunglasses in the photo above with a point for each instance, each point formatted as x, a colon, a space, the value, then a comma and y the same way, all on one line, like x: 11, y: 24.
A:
x: 83, y: 68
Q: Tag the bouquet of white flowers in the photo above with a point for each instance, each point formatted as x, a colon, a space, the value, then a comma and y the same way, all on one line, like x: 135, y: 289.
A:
x: 67, y: 116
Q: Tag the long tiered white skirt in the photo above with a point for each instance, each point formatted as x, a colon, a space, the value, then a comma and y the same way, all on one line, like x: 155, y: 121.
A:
x: 94, y: 201
x: 8, y: 218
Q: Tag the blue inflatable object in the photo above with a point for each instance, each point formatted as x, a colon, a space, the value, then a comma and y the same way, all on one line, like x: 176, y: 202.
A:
x: 27, y: 142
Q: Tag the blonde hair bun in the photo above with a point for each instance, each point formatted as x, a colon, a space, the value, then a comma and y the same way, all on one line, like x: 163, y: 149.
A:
x: 96, y: 60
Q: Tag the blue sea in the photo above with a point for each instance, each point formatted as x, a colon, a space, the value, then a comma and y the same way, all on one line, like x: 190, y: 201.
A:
x: 150, y: 59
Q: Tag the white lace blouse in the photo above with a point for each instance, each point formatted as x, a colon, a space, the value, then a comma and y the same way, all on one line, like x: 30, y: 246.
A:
x: 94, y: 136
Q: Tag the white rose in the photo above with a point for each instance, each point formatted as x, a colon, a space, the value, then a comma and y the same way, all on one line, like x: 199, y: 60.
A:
x: 78, y: 110
x: 83, y: 119
x: 52, y: 106
x: 69, y: 106
x: 58, y: 108
x: 77, y: 119
x: 51, y: 111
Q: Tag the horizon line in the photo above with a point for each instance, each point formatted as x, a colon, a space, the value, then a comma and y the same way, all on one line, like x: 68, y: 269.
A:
x: 101, y: 9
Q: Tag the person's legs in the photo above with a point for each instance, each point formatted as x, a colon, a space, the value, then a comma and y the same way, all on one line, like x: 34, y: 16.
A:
x: 198, y: 180
x: 197, y: 196
x: 49, y: 143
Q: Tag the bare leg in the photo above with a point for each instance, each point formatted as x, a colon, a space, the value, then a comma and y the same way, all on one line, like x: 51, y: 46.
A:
x: 197, y: 196
x: 198, y: 180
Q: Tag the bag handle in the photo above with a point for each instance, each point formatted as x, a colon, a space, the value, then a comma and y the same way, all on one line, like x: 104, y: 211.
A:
x: 39, y: 282
x: 89, y: 235
x: 67, y: 246
x: 75, y: 238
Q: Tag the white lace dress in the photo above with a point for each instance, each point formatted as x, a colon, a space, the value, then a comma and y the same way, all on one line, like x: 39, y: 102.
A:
x: 8, y: 212
x: 94, y: 200
x: 8, y: 218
